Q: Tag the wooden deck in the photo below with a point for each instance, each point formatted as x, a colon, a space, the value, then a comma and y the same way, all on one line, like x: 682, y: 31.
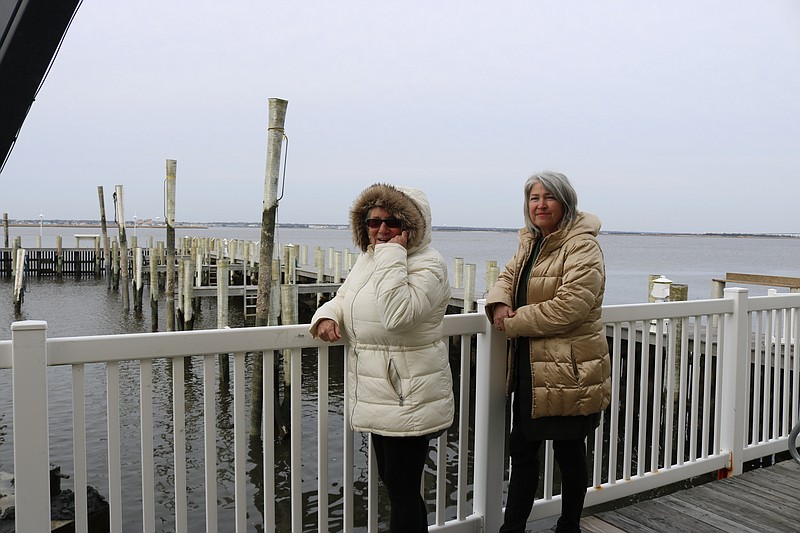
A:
x: 759, y: 501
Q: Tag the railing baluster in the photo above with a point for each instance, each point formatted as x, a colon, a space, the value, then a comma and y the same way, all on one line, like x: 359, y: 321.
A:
x: 683, y: 391
x: 347, y: 453
x: 795, y: 341
x: 707, y: 386
x: 786, y: 397
x: 372, y: 488
x: 644, y: 396
x: 658, y: 388
x: 616, y: 372
x: 463, y: 427
x: 296, y: 436
x: 669, y: 394
x: 146, y: 439
x: 179, y: 436
x: 240, y: 440
x: 694, y: 389
x: 79, y: 447
x: 754, y: 339
x: 114, y: 467
x: 322, y: 439
x: 210, y: 439
x: 441, y: 479
x: 630, y: 374
x: 268, y: 431
x: 721, y: 349
x: 768, y: 355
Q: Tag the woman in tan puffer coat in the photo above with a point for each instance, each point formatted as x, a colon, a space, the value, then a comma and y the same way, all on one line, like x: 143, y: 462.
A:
x: 548, y: 301
x: 390, y: 310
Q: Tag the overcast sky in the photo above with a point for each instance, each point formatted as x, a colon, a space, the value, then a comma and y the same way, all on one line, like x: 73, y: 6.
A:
x: 680, y: 115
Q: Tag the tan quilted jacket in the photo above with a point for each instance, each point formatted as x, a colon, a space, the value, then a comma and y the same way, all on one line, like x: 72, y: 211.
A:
x: 570, y: 366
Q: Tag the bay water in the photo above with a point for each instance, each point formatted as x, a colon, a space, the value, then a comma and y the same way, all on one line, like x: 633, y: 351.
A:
x: 87, y: 307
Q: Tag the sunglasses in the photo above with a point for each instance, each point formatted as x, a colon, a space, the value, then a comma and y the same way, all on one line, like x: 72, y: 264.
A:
x: 392, y: 223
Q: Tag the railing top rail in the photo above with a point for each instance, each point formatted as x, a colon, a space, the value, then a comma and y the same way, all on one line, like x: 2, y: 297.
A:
x: 135, y: 346
x: 776, y: 301
x: 650, y: 311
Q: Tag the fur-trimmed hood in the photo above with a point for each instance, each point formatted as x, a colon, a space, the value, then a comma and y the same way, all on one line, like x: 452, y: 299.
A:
x: 406, y: 203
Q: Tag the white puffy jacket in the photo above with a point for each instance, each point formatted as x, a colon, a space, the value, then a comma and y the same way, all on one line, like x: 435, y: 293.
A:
x: 390, y: 311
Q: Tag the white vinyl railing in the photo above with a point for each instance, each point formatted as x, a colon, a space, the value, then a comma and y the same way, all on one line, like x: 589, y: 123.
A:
x: 698, y: 387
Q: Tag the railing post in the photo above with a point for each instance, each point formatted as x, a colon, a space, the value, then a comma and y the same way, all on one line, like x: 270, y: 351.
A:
x: 734, y: 360
x: 490, y: 401
x: 31, y: 437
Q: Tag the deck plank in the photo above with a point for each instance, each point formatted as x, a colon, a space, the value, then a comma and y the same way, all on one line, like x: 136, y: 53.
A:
x: 759, y: 501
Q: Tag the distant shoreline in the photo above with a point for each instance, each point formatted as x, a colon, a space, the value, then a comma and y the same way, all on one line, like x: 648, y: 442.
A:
x: 97, y: 226
x: 208, y: 225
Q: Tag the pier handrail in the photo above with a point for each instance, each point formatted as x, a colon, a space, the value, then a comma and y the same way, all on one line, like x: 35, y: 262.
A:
x: 698, y: 387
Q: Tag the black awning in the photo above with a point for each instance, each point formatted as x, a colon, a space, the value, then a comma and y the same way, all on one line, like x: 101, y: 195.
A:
x: 32, y: 31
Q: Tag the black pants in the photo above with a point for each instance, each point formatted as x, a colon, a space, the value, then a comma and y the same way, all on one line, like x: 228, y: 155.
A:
x: 400, y: 464
x: 571, y: 458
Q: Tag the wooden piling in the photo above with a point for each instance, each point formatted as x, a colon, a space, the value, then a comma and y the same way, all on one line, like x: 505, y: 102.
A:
x: 337, y: 266
x: 492, y: 273
x: 5, y: 230
x: 469, y: 287
x: 290, y: 264
x: 289, y: 314
x: 458, y: 272
x: 115, y: 265
x: 275, y: 135
x: 138, y: 287
x: 275, y: 294
x: 16, y: 246
x: 59, y: 258
x: 223, y: 274
x: 223, y: 277
x: 179, y: 296
x: 97, y: 258
x: 319, y: 262
x: 169, y: 221
x: 123, y: 247
x: 153, y: 290
x: 188, y: 286
x: 19, y: 280
x: 104, y: 233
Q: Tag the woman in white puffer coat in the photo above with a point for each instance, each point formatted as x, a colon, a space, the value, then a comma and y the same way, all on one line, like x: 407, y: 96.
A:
x: 389, y: 310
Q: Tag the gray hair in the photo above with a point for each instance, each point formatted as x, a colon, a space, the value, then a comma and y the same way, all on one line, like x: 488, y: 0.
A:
x: 559, y: 186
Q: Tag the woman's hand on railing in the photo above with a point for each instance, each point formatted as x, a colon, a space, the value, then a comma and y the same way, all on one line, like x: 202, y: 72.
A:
x: 499, y: 314
x: 328, y: 330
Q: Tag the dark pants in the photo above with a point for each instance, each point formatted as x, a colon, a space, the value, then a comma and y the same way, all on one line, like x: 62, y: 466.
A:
x: 571, y: 458
x: 400, y: 464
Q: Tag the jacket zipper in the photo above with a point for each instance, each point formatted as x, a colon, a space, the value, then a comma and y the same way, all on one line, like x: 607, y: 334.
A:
x: 394, y: 380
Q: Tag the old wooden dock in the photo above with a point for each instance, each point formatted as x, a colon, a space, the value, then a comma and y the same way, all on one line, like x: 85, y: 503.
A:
x: 759, y: 501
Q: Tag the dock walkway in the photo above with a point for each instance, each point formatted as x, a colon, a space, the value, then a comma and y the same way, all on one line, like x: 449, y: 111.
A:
x: 759, y: 501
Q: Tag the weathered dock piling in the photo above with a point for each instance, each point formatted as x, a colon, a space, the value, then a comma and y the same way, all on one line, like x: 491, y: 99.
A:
x: 275, y: 135
x: 104, y: 233
x: 123, y: 245
x: 169, y: 221
x: 154, y: 289
x: 19, y: 280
